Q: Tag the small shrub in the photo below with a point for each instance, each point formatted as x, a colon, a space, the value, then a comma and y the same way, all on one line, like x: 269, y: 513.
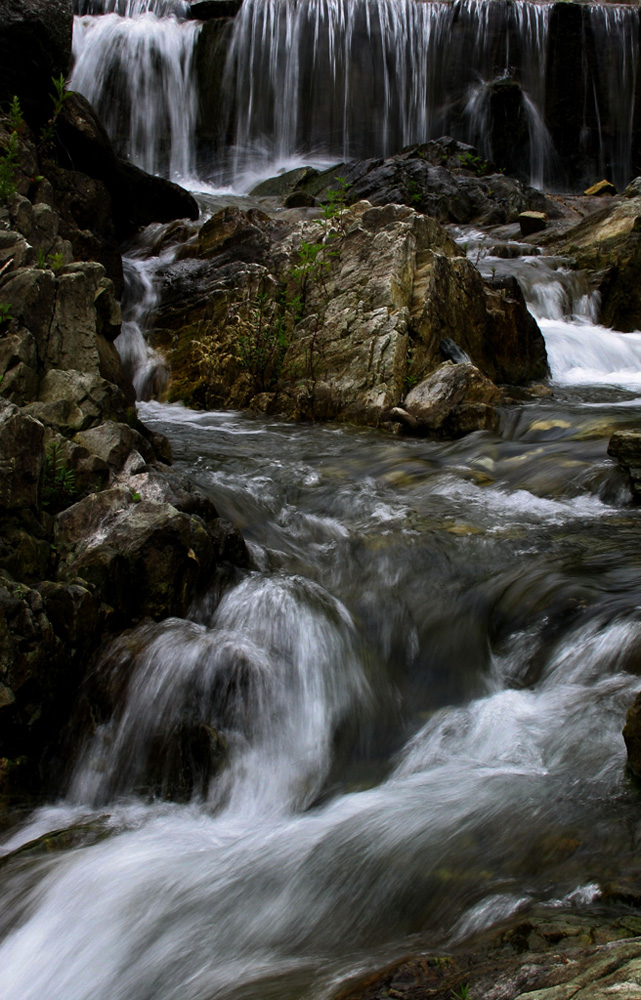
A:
x: 59, y: 487
x: 5, y: 314
x: 8, y: 168
x: 476, y: 164
x: 59, y: 96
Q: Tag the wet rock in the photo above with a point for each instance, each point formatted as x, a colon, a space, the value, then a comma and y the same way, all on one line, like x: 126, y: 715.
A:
x: 21, y: 458
x: 607, y: 244
x: 625, y: 447
x: 283, y: 184
x: 600, y: 188
x: 453, y: 401
x: 144, y: 558
x: 532, y: 222
x: 183, y: 762
x: 444, y: 178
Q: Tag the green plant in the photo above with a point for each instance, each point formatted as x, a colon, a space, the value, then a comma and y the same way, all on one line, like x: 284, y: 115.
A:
x: 59, y: 96
x: 8, y: 167
x: 463, y: 992
x: 59, y: 487
x: 414, y: 191
x: 52, y: 261
x: 5, y: 313
x: 16, y: 118
x: 476, y: 164
x: 136, y: 497
x: 336, y: 203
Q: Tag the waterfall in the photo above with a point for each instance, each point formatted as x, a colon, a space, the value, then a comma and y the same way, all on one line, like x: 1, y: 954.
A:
x: 329, y: 80
x: 137, y: 73
x: 356, y: 78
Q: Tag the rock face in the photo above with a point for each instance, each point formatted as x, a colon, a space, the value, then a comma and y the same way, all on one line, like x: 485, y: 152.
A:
x: 96, y: 531
x: 608, y: 244
x: 35, y: 41
x: 332, y: 319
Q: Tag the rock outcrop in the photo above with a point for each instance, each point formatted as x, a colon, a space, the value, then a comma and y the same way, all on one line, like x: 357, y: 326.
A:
x: 332, y: 319
x: 443, y: 178
x: 96, y: 530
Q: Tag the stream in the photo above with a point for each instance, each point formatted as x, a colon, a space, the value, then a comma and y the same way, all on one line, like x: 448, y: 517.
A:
x: 421, y: 681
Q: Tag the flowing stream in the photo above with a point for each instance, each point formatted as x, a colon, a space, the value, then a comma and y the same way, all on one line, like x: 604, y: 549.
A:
x: 421, y: 684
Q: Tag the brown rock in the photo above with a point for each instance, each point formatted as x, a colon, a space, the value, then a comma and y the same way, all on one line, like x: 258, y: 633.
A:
x: 600, y: 188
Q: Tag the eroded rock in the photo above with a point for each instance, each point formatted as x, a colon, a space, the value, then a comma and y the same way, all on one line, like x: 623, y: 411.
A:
x: 328, y: 320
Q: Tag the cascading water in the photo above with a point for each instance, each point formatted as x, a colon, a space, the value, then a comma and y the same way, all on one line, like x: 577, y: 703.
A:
x: 136, y: 70
x: 325, y: 80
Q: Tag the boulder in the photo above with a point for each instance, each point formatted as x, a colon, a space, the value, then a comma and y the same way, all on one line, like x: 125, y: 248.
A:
x: 329, y: 319
x: 600, y: 188
x: 532, y: 222
x: 144, y: 558
x: 632, y: 736
x: 607, y: 244
x: 444, y: 178
x: 35, y: 41
x: 625, y: 447
x: 451, y: 402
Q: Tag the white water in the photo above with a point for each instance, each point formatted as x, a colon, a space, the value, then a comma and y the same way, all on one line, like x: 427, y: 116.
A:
x: 137, y: 73
x: 326, y: 80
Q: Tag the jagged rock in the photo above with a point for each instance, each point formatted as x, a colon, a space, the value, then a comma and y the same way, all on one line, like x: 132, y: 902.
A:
x: 601, y: 188
x: 18, y: 367
x: 21, y: 458
x: 383, y: 287
x: 454, y: 400
x: 35, y: 40
x: 71, y: 341
x: 532, y: 222
x: 73, y: 401
x: 115, y: 444
x: 32, y: 663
